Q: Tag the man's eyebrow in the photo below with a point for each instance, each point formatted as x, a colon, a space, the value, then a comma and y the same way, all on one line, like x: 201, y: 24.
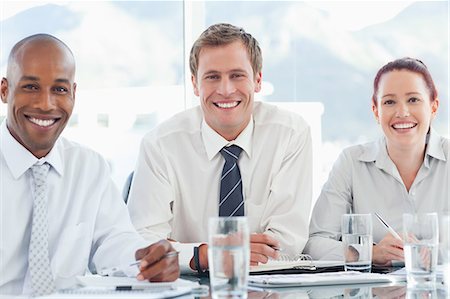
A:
x: 29, y: 78
x: 62, y: 81
x: 211, y: 72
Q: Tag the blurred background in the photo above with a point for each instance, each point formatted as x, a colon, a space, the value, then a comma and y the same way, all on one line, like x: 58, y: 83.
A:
x: 320, y: 58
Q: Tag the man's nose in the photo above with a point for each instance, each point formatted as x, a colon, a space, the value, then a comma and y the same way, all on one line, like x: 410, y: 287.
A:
x: 46, y: 101
x: 226, y: 87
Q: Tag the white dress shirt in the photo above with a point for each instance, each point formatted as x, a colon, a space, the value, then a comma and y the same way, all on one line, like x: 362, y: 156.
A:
x: 365, y: 180
x: 88, y: 221
x: 177, y: 178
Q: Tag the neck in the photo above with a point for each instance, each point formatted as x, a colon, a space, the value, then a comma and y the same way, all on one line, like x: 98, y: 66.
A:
x: 408, y: 161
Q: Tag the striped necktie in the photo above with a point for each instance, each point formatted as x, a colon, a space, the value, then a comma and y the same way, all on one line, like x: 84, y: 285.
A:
x: 231, y: 199
x: 38, y: 257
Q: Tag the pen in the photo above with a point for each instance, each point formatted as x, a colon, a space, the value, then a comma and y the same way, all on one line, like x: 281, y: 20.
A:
x: 119, y: 270
x: 389, y: 228
x: 169, y: 254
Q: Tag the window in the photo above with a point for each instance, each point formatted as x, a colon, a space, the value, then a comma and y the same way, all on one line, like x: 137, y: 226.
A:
x: 133, y: 73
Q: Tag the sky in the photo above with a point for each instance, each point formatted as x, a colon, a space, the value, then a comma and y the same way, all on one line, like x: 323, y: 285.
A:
x: 351, y: 15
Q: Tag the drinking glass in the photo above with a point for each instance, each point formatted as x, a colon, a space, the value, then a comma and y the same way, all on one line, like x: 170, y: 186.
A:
x: 444, y: 246
x: 420, y: 246
x: 357, y: 241
x: 228, y: 256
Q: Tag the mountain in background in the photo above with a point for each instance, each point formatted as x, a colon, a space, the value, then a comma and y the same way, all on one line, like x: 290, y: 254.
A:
x: 306, y: 56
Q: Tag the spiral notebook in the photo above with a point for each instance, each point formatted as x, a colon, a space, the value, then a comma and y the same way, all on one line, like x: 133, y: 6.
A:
x: 301, y: 263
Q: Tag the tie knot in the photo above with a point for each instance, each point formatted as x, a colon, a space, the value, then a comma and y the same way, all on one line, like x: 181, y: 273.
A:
x: 231, y: 152
x: 40, y: 173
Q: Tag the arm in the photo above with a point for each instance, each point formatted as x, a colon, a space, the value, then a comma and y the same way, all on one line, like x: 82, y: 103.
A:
x: 151, y: 196
x: 334, y: 200
x: 286, y: 216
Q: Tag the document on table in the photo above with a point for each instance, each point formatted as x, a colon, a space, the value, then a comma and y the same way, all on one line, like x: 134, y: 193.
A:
x: 125, y: 287
x: 318, y: 279
x: 304, y: 266
x: 439, y: 272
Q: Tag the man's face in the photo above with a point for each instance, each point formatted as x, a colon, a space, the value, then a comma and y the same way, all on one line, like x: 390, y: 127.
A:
x: 225, y: 83
x: 40, y: 92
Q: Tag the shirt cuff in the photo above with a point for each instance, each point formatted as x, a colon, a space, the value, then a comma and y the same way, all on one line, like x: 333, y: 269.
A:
x: 129, y: 257
x: 186, y: 252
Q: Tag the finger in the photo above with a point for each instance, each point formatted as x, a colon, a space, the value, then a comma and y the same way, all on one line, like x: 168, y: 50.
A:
x: 167, y: 264
x: 258, y: 258
x: 264, y: 239
x: 140, y: 253
x: 393, y: 253
x: 166, y: 276
x: 155, y: 253
x: 259, y: 248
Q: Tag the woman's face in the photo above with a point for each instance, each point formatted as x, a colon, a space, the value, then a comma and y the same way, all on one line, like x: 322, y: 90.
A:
x: 404, y: 108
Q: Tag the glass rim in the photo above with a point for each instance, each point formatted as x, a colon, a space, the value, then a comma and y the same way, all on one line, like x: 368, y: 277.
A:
x: 357, y: 214
x: 227, y: 218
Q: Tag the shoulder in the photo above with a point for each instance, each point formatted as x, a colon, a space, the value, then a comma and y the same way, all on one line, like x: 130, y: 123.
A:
x: 81, y: 157
x: 265, y: 115
x: 444, y: 143
x: 364, y: 152
x: 184, y: 123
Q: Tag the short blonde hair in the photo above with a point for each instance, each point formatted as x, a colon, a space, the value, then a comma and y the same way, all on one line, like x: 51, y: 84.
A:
x: 224, y: 34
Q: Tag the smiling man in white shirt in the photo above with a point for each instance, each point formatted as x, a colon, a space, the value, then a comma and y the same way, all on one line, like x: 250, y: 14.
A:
x: 177, y: 183
x: 86, y: 224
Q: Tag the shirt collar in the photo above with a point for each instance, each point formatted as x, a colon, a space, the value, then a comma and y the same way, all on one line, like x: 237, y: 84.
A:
x: 19, y: 159
x: 377, y: 151
x: 434, y: 147
x: 214, y: 142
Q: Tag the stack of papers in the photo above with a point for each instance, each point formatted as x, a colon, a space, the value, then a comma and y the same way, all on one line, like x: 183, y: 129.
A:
x: 300, y: 266
x: 318, y: 279
x: 272, y: 265
x: 125, y: 287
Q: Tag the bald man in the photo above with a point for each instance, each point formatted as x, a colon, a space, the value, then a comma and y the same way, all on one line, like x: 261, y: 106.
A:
x: 61, y: 214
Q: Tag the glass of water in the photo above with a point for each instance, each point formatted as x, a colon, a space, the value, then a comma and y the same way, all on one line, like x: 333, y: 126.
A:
x: 444, y: 245
x: 421, y: 240
x: 357, y: 240
x: 228, y: 256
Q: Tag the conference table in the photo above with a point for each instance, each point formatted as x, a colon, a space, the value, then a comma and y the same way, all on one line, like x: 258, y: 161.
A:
x: 355, y: 291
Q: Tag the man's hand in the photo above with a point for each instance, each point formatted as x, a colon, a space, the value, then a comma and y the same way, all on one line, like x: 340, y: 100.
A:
x: 387, y: 250
x: 262, y: 247
x: 202, y: 256
x: 156, y: 264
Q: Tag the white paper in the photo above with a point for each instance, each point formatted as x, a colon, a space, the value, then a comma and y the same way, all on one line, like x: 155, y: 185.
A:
x: 328, y: 278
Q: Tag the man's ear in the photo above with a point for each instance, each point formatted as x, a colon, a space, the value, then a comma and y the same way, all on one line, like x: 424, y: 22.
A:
x: 4, y: 90
x: 194, y: 85
x: 258, y: 81
x: 74, y: 90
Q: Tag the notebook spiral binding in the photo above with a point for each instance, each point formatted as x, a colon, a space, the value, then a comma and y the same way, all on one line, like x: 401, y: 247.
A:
x: 306, y: 258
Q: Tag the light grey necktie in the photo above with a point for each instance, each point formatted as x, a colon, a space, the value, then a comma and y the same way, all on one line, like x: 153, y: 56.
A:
x: 38, y: 258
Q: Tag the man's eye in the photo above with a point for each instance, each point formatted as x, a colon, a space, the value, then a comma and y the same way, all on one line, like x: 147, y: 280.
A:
x: 30, y: 87
x: 212, y: 77
x: 237, y: 75
x: 60, y: 89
